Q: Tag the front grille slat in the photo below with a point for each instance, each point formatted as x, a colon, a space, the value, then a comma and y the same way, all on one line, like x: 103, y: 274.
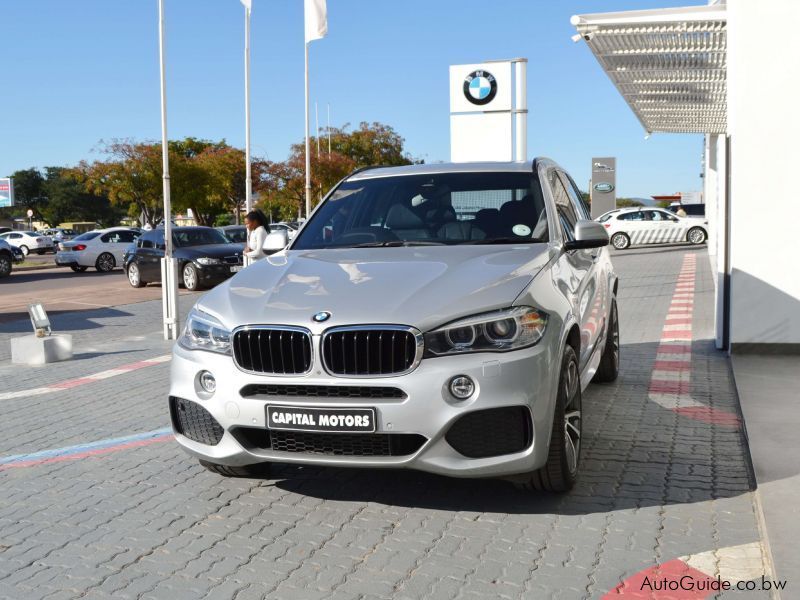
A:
x: 321, y: 391
x: 277, y: 350
x: 367, y: 351
x: 330, y: 444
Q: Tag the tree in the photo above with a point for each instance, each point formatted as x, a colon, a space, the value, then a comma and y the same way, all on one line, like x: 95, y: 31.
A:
x: 68, y: 200
x: 131, y: 178
x: 225, y: 167
x: 29, y: 189
x: 283, y: 185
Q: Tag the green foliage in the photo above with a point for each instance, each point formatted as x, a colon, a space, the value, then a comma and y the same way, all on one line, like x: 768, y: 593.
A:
x: 223, y: 220
x: 29, y: 189
x: 628, y: 202
x: 68, y: 200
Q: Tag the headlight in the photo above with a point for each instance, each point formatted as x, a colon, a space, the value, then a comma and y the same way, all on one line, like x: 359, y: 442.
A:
x: 498, y: 331
x: 205, y: 260
x: 204, y: 332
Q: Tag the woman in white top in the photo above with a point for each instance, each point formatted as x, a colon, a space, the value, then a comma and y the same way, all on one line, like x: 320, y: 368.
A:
x: 257, y: 230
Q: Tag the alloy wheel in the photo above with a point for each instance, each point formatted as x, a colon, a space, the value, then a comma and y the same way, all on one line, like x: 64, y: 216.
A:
x: 189, y: 277
x: 620, y: 241
x: 133, y: 274
x: 572, y: 416
x: 5, y: 266
x: 696, y: 236
x: 615, y: 335
x: 25, y: 250
x: 105, y: 262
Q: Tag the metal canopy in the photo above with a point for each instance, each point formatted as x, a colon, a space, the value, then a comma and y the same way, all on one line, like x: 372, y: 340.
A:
x: 668, y: 64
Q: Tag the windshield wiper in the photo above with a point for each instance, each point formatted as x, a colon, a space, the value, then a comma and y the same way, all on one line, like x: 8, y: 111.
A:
x: 394, y: 243
x: 505, y: 240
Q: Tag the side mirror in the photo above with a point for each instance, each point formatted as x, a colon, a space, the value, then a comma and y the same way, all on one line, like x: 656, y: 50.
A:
x: 588, y: 234
x: 275, y: 242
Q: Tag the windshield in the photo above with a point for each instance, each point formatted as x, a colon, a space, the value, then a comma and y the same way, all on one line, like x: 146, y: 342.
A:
x: 198, y: 237
x: 237, y: 235
x: 85, y: 237
x: 437, y: 209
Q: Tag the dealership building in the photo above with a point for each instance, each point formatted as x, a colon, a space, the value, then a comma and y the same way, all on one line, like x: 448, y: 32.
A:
x: 727, y: 70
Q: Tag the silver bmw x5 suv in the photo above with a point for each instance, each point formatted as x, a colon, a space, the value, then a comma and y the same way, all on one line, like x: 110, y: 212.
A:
x: 438, y: 317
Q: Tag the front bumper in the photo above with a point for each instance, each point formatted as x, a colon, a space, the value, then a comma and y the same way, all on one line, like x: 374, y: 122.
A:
x: 214, y: 274
x: 524, y: 378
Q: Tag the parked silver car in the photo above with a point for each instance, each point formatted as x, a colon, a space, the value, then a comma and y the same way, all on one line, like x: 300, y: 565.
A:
x: 438, y: 317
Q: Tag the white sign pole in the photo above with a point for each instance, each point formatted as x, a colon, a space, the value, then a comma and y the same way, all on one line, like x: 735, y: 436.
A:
x: 169, y: 266
x: 308, y: 152
x: 521, y: 109
x: 248, y: 205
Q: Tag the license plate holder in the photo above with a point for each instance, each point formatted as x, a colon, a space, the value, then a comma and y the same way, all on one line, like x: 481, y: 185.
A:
x: 236, y: 268
x: 321, y: 420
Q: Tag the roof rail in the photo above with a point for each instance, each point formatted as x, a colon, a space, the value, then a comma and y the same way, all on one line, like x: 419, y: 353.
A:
x: 359, y: 169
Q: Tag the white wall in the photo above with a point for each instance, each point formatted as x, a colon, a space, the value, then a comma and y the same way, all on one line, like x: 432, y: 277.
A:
x: 764, y: 125
x: 714, y: 182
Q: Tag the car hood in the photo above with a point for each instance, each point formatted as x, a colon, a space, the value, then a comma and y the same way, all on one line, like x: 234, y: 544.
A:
x: 419, y: 286
x: 210, y: 250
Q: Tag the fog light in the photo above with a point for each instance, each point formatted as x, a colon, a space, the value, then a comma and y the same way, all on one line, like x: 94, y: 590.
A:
x: 462, y: 387
x: 207, y: 382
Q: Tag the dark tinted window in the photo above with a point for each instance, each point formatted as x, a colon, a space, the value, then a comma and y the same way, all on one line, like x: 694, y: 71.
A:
x: 567, y: 214
x: 200, y: 236
x: 632, y: 216
x: 147, y: 240
x: 85, y: 237
x: 237, y: 235
x: 575, y: 196
x: 439, y: 208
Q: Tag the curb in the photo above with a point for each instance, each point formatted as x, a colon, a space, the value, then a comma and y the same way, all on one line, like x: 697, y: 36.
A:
x: 16, y: 269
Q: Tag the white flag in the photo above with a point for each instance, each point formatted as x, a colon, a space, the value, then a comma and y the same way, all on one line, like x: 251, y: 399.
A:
x: 248, y: 4
x: 316, y: 13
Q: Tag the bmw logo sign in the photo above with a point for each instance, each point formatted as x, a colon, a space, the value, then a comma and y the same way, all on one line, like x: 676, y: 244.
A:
x: 321, y: 316
x: 480, y: 87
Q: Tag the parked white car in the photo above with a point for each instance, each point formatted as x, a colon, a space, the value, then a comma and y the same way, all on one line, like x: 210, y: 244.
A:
x: 28, y: 241
x: 641, y: 226
x: 102, y: 249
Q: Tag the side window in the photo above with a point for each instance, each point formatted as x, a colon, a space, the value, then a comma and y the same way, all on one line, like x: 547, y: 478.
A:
x: 575, y: 195
x: 126, y: 237
x: 566, y: 211
x: 107, y: 238
x: 146, y: 241
x: 631, y: 216
x: 159, y: 240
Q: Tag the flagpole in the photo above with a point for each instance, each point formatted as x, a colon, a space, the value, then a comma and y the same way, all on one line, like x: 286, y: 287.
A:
x: 308, y: 153
x: 329, y: 128
x: 248, y: 186
x: 169, y: 266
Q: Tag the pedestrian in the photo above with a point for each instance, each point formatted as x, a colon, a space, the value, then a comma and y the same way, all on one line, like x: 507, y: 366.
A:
x: 257, y: 228
x: 680, y: 212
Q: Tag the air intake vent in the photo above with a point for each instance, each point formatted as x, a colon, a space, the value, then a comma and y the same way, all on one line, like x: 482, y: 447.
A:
x: 195, y: 422
x: 368, y: 351
x: 491, y: 432
x: 321, y: 391
x: 275, y: 350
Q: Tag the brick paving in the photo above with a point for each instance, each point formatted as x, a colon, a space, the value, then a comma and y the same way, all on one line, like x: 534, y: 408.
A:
x: 148, y: 522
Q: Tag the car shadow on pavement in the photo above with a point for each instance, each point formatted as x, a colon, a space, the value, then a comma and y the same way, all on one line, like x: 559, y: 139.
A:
x: 61, y: 320
x: 636, y: 454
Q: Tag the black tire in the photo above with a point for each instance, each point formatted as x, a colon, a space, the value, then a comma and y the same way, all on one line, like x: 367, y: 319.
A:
x: 608, y: 370
x: 696, y: 236
x: 5, y: 265
x: 561, y: 470
x: 134, y: 276
x: 25, y: 250
x: 190, y: 277
x: 78, y: 268
x: 251, y: 471
x: 620, y: 241
x: 105, y: 263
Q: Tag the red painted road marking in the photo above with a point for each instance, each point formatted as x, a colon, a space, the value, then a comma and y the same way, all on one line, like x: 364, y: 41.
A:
x: 670, y: 383
x: 79, y: 381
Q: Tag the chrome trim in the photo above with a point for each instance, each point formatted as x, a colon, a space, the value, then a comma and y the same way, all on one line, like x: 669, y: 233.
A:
x: 292, y: 328
x: 418, y: 336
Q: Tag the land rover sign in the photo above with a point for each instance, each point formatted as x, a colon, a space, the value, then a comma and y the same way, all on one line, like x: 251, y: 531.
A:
x: 604, y: 185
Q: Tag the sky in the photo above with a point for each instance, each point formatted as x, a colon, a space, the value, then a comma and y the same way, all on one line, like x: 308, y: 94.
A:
x: 82, y: 72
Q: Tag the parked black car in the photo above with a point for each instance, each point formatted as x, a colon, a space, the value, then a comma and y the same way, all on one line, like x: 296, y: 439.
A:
x: 205, y: 257
x: 8, y: 256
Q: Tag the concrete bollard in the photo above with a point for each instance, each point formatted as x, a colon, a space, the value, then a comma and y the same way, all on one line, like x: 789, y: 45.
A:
x: 33, y: 350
